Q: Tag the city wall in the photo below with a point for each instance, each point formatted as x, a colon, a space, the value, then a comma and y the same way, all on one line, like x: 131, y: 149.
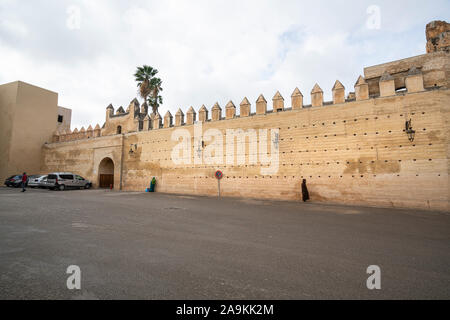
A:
x: 352, y: 150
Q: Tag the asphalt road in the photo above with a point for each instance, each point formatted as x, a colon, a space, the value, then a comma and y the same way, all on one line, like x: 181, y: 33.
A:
x: 156, y: 246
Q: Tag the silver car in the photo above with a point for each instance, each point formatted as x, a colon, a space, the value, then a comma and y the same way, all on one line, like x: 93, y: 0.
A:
x: 44, y: 183
x: 66, y: 180
x: 36, y: 180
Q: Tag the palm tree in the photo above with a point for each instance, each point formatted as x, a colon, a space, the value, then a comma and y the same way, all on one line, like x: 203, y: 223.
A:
x: 149, y: 86
x: 154, y: 100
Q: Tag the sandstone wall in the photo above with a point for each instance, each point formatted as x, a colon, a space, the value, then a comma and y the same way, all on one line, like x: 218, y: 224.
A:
x: 354, y: 153
x: 434, y: 66
x: 83, y: 157
x: 438, y: 36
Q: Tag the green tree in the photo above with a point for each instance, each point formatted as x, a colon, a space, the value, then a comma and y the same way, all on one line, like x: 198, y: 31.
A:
x: 155, y: 99
x: 149, y: 86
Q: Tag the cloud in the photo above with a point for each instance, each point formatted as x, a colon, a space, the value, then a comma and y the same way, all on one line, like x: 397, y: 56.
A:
x: 206, y: 51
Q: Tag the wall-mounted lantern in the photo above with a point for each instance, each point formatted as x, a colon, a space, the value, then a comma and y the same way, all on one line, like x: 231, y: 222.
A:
x: 409, y: 130
x: 133, y: 148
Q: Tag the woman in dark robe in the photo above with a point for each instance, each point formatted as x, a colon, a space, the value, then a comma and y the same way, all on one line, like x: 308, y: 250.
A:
x: 305, y: 193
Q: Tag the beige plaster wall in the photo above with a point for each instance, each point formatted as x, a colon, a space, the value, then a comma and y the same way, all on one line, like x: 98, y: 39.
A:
x: 34, y: 124
x: 67, y: 118
x: 29, y: 117
x: 8, y: 96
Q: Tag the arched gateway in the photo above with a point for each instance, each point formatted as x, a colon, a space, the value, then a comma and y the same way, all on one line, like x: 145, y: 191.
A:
x: 106, y: 173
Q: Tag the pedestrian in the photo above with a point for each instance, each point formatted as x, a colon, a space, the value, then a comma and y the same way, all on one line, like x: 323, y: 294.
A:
x: 152, y: 185
x: 305, y: 193
x: 24, y: 181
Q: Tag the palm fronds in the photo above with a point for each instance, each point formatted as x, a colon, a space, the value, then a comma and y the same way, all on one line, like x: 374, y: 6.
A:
x: 149, y: 86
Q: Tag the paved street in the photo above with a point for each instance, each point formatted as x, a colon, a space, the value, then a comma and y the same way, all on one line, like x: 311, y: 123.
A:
x: 156, y: 246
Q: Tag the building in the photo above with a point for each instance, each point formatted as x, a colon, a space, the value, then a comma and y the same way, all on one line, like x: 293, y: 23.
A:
x: 29, y: 118
x: 385, y: 143
x: 64, y: 119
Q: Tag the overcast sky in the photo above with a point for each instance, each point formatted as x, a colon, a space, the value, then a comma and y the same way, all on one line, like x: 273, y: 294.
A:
x: 205, y: 51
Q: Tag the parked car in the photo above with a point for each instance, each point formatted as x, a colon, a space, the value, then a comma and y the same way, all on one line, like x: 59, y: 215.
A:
x: 44, y: 184
x: 66, y: 180
x: 15, y: 181
x: 35, y: 181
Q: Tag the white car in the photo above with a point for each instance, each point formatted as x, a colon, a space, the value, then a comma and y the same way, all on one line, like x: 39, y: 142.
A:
x: 66, y: 180
x: 36, y: 181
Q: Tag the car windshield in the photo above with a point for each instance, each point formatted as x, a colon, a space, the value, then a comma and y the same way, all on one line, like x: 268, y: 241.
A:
x: 51, y: 176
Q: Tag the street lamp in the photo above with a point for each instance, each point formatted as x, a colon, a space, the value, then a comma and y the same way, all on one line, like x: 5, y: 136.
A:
x: 409, y: 130
x: 133, y: 146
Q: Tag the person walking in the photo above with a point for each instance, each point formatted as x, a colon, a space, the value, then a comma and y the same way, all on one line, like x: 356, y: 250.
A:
x: 305, y: 193
x: 24, y: 181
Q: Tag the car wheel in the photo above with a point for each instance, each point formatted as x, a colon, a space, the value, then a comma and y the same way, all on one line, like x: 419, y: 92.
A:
x: 87, y: 186
x: 61, y: 187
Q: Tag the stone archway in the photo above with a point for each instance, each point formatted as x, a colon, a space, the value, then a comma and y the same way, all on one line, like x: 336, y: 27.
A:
x: 106, y: 173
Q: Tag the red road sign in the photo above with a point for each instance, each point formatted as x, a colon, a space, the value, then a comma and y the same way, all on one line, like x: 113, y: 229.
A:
x: 219, y: 174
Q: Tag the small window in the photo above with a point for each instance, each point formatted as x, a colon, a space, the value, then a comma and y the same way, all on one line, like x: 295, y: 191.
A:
x: 60, y: 118
x: 119, y: 130
x: 66, y: 176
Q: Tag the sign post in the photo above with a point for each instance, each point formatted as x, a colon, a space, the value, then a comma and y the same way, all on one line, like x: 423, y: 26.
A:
x: 219, y: 176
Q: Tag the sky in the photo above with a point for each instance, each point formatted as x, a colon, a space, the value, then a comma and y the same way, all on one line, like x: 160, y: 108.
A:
x: 206, y: 51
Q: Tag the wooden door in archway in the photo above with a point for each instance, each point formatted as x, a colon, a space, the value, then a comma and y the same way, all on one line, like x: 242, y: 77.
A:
x: 106, y: 173
x: 106, y: 180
